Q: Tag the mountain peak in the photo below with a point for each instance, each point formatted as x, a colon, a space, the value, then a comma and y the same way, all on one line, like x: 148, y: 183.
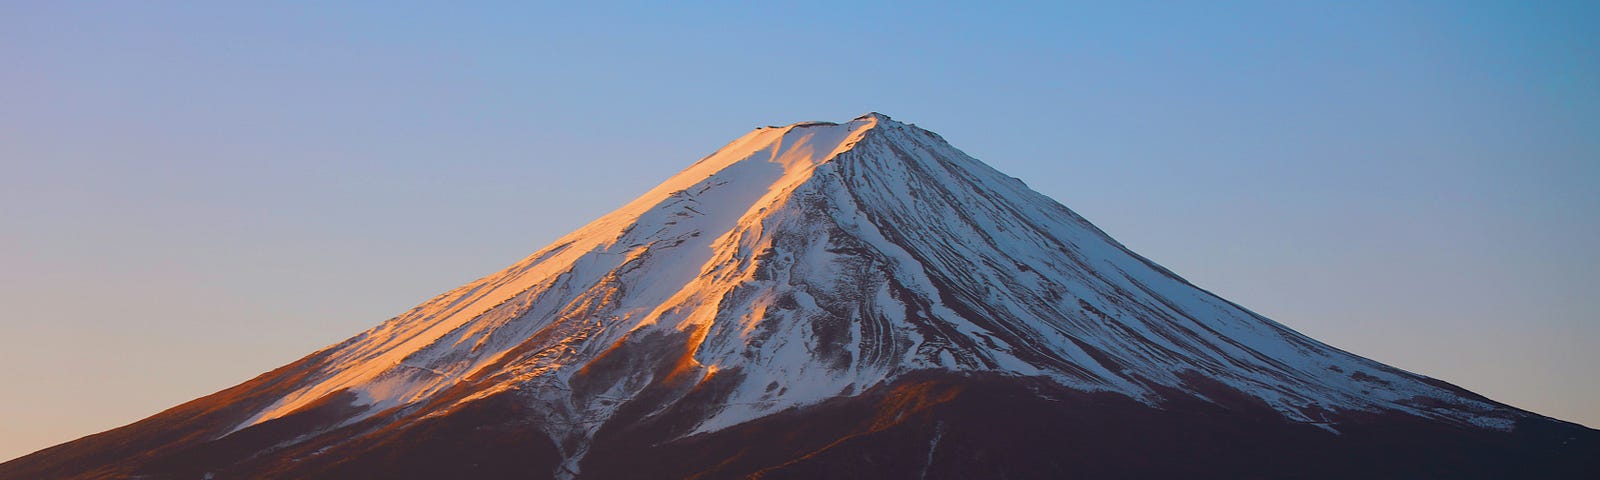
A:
x: 773, y: 264
x: 873, y: 116
x: 933, y: 223
x: 867, y: 120
x: 798, y: 272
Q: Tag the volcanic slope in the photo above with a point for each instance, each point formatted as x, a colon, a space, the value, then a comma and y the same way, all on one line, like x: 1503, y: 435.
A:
x: 832, y: 300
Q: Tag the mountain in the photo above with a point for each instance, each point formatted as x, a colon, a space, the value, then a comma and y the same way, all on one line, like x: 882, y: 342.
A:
x: 821, y: 300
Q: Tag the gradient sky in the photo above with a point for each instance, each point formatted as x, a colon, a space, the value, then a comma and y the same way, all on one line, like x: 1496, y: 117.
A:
x: 192, y: 194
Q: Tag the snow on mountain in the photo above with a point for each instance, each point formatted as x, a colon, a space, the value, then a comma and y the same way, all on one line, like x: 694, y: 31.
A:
x: 828, y: 300
x: 817, y: 260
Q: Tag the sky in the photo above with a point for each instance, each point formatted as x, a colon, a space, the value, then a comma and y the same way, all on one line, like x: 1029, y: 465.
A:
x: 196, y: 193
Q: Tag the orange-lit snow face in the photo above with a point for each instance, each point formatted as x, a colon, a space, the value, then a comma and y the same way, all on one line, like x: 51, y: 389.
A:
x: 697, y: 220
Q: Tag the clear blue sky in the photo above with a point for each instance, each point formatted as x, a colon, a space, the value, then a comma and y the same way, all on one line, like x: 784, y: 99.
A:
x: 194, y: 193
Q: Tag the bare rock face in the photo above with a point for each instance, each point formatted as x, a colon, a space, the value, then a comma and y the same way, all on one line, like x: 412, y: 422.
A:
x: 855, y: 300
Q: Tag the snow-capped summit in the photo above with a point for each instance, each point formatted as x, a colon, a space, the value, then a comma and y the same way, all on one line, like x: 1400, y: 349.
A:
x: 801, y: 287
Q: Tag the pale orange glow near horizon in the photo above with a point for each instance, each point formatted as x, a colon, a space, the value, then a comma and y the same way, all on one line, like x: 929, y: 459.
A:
x: 193, y: 195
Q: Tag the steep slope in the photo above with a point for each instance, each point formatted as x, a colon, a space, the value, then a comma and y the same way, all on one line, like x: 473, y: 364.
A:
x: 823, y: 284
